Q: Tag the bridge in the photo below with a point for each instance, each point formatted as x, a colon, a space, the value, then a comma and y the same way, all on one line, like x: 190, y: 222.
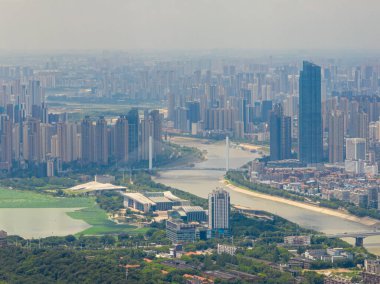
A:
x: 359, y: 236
x: 183, y: 168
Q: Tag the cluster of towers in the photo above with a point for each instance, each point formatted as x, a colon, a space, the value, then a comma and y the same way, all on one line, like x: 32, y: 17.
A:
x: 45, y: 146
x: 310, y: 141
x: 232, y: 103
x: 329, y: 130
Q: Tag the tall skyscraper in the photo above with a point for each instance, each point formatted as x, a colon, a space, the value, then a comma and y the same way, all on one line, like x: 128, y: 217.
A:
x: 310, y: 117
x: 280, y: 135
x: 219, y: 211
x: 336, y: 137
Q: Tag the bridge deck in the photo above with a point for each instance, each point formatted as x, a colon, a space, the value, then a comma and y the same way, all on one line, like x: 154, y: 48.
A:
x: 352, y: 235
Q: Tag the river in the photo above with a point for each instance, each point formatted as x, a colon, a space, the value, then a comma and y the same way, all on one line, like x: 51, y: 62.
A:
x: 201, y: 182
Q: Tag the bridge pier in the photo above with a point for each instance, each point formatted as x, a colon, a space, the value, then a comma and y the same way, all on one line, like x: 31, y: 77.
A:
x: 359, y: 241
x: 227, y: 154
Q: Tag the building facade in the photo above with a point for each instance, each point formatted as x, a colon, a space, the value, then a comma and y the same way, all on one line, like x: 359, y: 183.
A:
x: 219, y: 211
x: 310, y: 116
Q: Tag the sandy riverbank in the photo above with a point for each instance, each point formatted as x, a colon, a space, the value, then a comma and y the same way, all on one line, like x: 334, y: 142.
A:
x: 336, y: 213
x: 367, y: 221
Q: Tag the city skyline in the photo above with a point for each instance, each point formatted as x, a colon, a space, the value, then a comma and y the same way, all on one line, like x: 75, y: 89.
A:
x: 203, y: 141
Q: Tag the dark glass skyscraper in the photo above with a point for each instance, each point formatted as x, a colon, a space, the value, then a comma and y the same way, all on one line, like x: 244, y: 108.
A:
x: 280, y: 135
x: 194, y: 112
x: 310, y: 118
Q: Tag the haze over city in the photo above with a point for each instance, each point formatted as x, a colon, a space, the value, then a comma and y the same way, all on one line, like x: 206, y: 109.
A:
x: 197, y: 24
x: 190, y: 141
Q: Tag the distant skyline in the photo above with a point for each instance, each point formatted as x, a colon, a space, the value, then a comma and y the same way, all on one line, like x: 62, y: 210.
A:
x: 183, y: 24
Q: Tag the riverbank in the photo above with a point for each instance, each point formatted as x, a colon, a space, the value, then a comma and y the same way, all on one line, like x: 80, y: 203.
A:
x: 336, y: 213
x: 367, y: 221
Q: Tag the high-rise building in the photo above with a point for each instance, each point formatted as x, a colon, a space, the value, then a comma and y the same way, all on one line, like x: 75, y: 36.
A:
x: 181, y: 122
x: 87, y: 135
x: 280, y: 135
x: 6, y: 143
x: 68, y: 149
x: 219, y: 211
x: 356, y: 149
x: 36, y: 93
x: 32, y: 140
x: 359, y: 124
x: 213, y: 96
x: 171, y: 106
x: 101, y: 141
x: 266, y: 108
x: 133, y: 134
x: 193, y: 113
x: 121, y: 139
x: 310, y: 117
x: 146, y: 130
x: 336, y: 138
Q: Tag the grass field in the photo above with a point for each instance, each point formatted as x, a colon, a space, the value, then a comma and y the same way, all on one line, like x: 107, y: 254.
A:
x: 91, y: 213
x: 12, y: 198
x: 98, y: 219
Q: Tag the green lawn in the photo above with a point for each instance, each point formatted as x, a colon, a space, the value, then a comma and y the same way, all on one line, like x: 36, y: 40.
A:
x: 90, y: 212
x: 12, y: 198
x: 100, y: 223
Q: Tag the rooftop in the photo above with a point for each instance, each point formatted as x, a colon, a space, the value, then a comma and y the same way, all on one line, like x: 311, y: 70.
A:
x: 192, y: 208
x: 139, y: 198
x: 159, y: 199
x: 95, y: 186
x: 171, y: 196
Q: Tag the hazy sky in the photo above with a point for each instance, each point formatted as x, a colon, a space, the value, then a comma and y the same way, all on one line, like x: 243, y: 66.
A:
x: 189, y: 24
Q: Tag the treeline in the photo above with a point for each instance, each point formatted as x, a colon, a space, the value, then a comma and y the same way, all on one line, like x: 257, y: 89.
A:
x: 110, y: 201
x: 273, y: 230
x: 34, y: 183
x: 18, y: 265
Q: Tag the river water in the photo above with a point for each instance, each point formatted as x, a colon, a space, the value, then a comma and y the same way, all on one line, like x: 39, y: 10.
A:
x: 201, y: 182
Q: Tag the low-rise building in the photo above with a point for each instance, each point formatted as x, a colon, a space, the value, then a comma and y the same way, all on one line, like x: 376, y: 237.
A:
x: 297, y: 240
x: 152, y: 201
x: 179, y: 232
x: 138, y: 202
x: 191, y: 213
x: 231, y: 250
x: 371, y: 273
x: 337, y: 280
